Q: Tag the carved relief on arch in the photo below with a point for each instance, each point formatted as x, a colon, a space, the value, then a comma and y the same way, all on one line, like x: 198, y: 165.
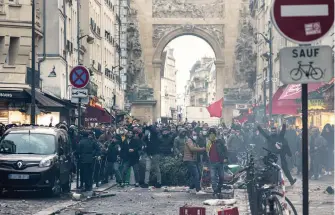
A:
x: 215, y: 30
x: 188, y: 8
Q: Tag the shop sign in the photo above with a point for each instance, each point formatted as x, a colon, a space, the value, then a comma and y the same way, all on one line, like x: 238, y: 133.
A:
x: 12, y: 95
x: 316, y: 104
x: 6, y: 95
x: 91, y: 119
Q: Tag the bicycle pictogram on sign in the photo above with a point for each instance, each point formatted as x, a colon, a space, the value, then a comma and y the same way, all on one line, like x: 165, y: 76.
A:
x: 307, y: 70
x: 79, y: 77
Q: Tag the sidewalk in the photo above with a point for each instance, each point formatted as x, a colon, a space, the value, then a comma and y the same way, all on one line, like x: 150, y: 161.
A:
x: 58, y: 207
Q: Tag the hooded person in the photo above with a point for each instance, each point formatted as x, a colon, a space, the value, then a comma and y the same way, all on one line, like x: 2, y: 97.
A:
x: 328, y: 134
x: 179, y: 143
x: 318, y: 145
x: 277, y: 144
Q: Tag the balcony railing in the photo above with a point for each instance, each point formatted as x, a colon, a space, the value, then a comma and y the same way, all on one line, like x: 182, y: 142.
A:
x: 199, y: 89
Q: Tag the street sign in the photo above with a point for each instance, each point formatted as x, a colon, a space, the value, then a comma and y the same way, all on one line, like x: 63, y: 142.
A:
x: 303, y: 21
x: 79, y: 77
x: 79, y: 93
x: 306, y: 64
x: 82, y: 100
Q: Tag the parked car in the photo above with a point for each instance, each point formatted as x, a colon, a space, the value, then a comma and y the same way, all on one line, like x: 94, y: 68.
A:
x: 35, y: 158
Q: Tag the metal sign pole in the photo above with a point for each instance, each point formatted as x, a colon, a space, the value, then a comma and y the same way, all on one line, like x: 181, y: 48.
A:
x: 304, y: 104
x: 33, y: 76
x: 79, y: 123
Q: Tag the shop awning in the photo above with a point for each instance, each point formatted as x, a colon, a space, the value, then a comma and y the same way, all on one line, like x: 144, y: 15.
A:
x: 44, y: 100
x: 284, y: 106
x: 97, y: 115
x: 293, y: 91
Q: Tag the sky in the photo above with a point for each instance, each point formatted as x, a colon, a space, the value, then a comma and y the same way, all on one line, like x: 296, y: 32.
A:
x: 187, y: 50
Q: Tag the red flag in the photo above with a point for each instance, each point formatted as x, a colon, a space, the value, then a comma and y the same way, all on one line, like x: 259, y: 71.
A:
x: 215, y: 109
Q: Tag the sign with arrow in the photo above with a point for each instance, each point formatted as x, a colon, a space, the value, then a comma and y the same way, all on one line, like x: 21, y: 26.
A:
x: 79, y: 93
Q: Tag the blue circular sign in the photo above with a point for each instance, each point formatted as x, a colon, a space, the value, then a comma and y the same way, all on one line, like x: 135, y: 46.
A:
x: 79, y: 76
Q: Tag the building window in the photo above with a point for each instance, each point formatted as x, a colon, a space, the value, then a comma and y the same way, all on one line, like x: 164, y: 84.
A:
x: 13, y: 50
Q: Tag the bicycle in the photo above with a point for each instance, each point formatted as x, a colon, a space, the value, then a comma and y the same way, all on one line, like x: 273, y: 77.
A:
x: 261, y: 187
x: 314, y: 72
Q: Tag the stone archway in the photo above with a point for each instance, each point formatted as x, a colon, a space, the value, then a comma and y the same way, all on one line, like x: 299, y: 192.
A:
x: 165, y: 33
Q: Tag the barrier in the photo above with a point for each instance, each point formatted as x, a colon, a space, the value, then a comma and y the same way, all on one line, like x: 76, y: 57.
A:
x: 192, y: 210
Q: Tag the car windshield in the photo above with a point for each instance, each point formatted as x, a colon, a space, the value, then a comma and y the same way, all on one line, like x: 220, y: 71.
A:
x: 24, y: 143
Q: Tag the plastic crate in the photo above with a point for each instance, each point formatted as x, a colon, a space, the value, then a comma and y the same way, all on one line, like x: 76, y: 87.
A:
x: 192, y: 211
x: 229, y: 211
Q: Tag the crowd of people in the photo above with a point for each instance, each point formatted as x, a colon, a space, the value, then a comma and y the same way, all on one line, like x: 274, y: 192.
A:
x: 104, y: 152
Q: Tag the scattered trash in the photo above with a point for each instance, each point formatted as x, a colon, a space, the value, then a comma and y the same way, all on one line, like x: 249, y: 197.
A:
x: 218, y: 202
x: 330, y: 190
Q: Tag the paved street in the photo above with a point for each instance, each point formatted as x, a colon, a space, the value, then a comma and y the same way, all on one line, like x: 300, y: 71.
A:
x: 143, y: 202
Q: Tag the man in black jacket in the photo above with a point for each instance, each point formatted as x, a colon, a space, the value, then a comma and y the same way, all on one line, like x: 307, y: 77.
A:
x: 88, y: 151
x: 278, y: 145
x: 153, y: 143
x: 113, y: 156
x: 130, y: 156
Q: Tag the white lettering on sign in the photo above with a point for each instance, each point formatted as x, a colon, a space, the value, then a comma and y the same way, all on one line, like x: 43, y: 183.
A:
x: 304, y: 10
x: 308, y: 52
x: 7, y: 95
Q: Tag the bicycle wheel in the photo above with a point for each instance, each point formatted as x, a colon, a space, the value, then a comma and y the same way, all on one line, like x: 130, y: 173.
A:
x: 317, y: 73
x: 278, y: 210
x: 296, y: 74
x: 288, y: 202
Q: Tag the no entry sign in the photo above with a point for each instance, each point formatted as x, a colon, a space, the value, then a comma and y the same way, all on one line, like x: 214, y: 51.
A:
x: 303, y: 21
x: 79, y: 77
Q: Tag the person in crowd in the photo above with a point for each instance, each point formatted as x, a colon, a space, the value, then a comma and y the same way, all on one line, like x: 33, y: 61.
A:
x: 190, y: 159
x: 318, y: 144
x: 130, y: 156
x: 88, y: 152
x: 166, y: 146
x: 277, y: 144
x: 292, y: 139
x: 218, y: 157
x: 153, y: 156
x: 259, y: 142
x: 235, y: 145
x: 113, y: 159
x: 179, y: 143
x: 328, y: 134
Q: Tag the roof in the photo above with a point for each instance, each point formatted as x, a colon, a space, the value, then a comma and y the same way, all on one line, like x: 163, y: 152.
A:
x: 33, y: 129
x: 43, y: 100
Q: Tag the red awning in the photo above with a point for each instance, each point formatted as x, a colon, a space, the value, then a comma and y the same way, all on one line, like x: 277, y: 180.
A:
x: 293, y: 91
x: 284, y: 106
x: 96, y: 115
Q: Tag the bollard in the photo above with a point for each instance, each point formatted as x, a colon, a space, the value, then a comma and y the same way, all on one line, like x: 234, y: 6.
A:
x: 229, y: 211
x: 192, y: 210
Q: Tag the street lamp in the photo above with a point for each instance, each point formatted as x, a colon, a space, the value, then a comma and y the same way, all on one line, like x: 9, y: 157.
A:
x: 89, y: 40
x: 268, y: 56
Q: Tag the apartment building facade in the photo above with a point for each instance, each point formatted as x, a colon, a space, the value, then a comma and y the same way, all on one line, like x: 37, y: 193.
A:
x: 168, y: 85
x: 15, y: 58
x: 102, y: 56
x: 201, y: 89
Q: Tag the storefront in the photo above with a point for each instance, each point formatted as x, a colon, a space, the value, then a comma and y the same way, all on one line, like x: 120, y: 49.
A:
x: 15, y: 108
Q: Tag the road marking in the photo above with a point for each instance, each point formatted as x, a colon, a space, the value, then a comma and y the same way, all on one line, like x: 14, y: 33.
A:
x: 304, y: 10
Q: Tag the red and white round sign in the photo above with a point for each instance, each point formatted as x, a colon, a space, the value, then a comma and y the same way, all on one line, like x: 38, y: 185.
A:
x: 303, y: 21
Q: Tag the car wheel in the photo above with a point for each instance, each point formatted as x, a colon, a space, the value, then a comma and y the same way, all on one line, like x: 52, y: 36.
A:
x: 55, y: 190
x: 66, y: 188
